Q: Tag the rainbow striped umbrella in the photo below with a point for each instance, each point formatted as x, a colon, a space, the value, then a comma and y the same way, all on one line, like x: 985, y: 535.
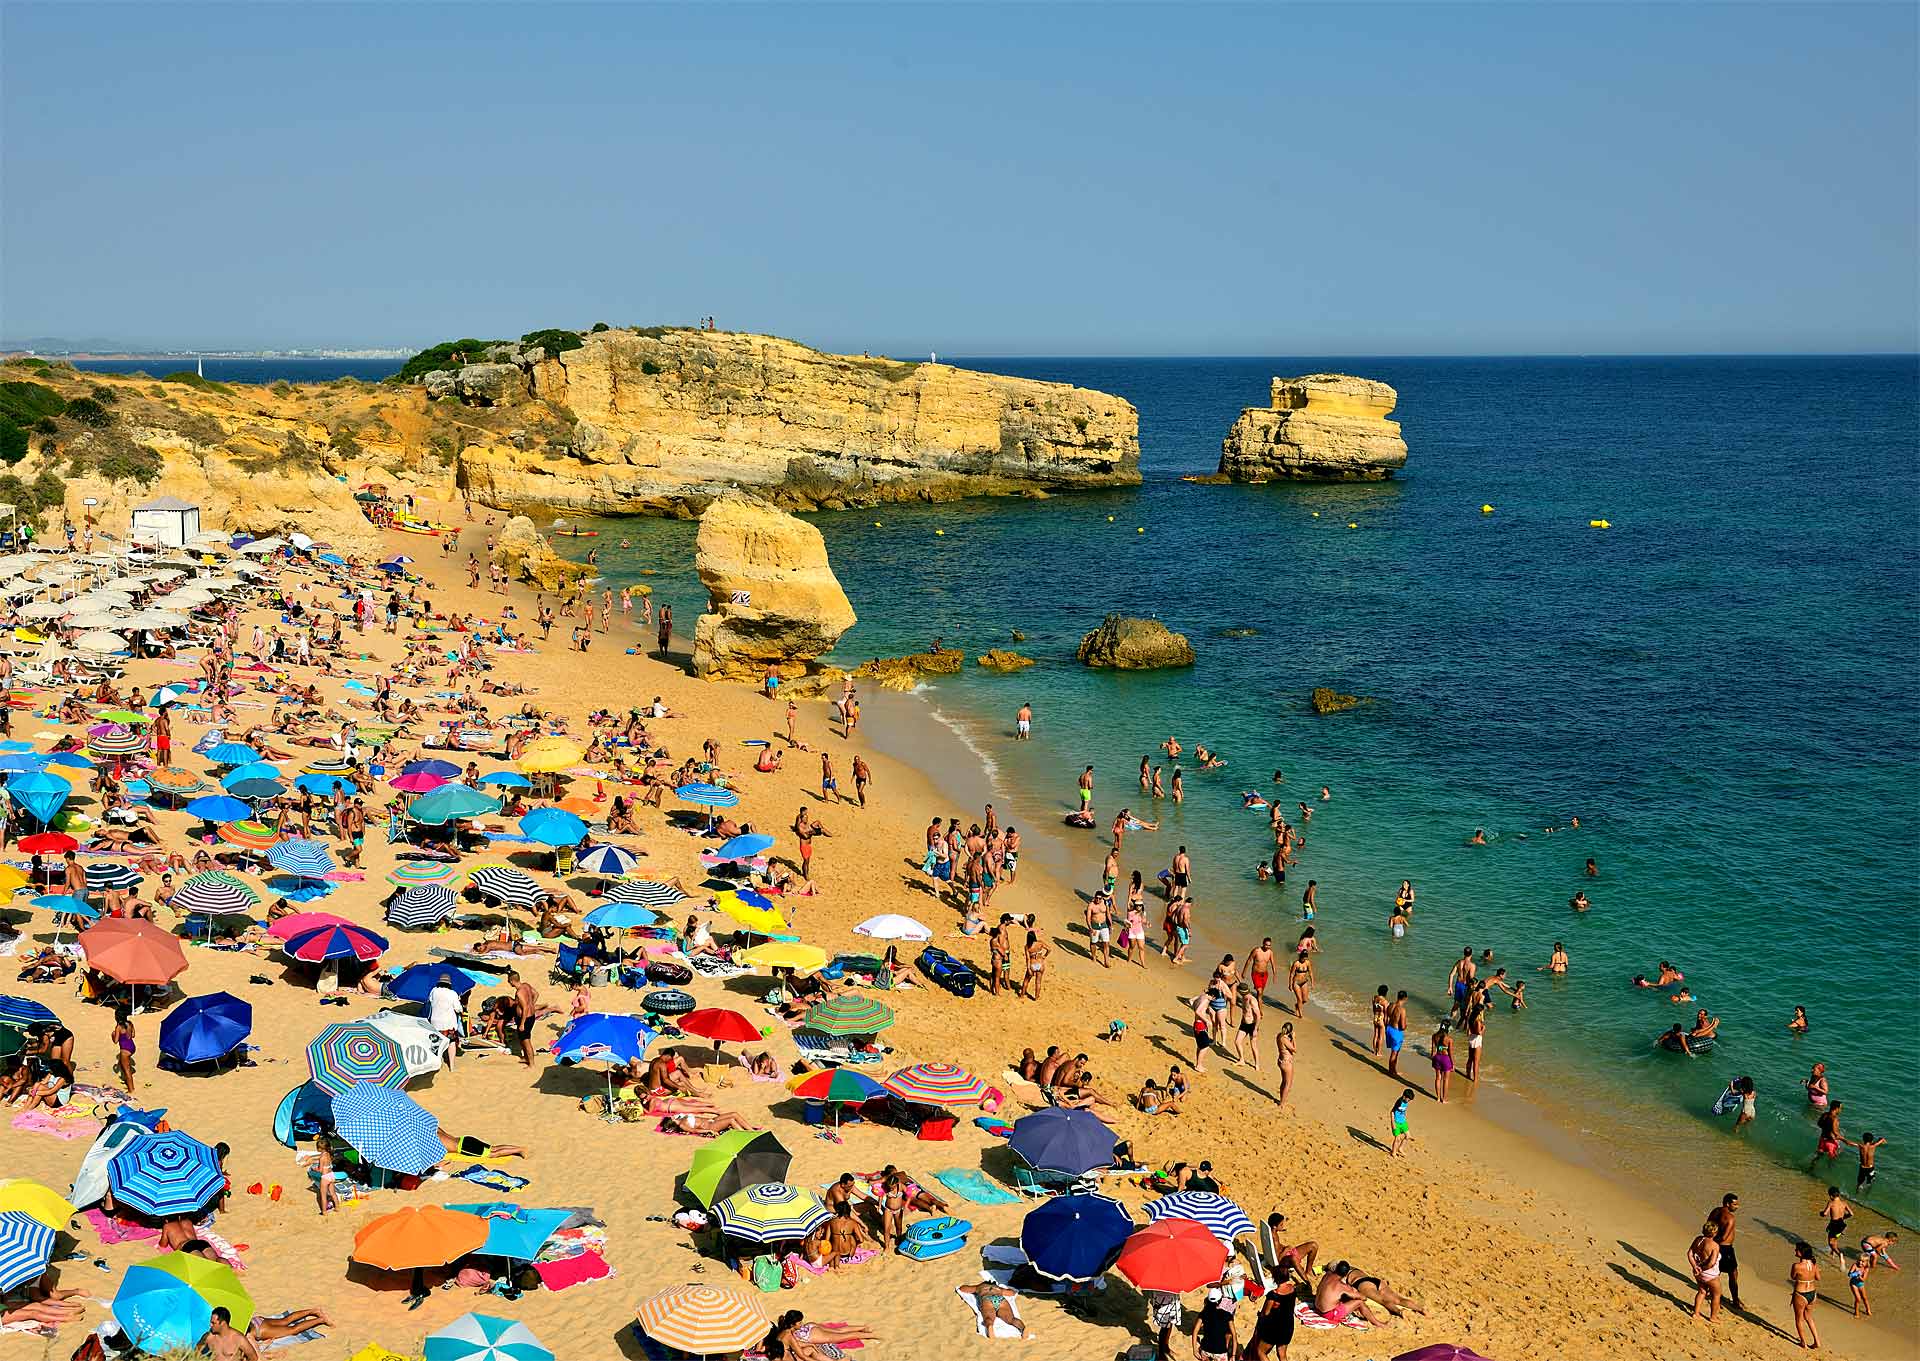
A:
x: 354, y: 1051
x: 423, y: 872
x: 849, y: 1016
x: 937, y: 1084
x: 249, y: 835
x: 121, y: 743
x: 704, y: 1320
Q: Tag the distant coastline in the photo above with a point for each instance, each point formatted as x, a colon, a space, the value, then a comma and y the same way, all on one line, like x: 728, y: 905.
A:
x: 34, y: 352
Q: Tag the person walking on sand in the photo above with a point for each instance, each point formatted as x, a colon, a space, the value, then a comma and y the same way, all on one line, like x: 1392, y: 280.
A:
x: 1721, y: 1219
x: 1703, y: 1257
x: 1836, y: 1212
x: 1460, y: 982
x: 862, y: 777
x: 1283, y: 1052
x: 1037, y: 952
x: 1397, y: 1122
x: 1442, y: 1060
x: 1202, y: 1023
x: 1396, y: 1031
x: 1246, y: 1037
x: 1300, y: 979
x: 829, y: 786
x: 1099, y: 919
x: 1260, y: 963
x: 805, y: 828
x: 1803, y: 1287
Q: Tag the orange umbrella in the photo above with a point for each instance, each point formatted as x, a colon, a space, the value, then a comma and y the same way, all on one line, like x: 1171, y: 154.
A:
x: 418, y: 1236
x: 131, y: 951
x: 584, y: 807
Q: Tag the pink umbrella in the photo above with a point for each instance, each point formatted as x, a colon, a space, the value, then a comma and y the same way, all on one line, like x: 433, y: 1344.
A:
x: 1442, y: 1351
x: 336, y: 941
x: 419, y: 782
x: 286, y: 928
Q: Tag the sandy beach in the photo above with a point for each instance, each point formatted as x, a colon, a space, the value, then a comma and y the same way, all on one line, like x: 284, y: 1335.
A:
x: 1511, y: 1248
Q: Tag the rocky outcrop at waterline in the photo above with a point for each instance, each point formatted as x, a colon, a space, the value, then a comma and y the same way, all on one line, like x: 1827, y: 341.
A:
x: 773, y: 602
x: 1134, y: 645
x: 1326, y: 700
x: 901, y: 673
x: 527, y: 556
x: 1324, y: 427
x: 1000, y: 659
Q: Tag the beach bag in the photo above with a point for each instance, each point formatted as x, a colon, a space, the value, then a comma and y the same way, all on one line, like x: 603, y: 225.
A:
x: 789, y: 1274
x: 766, y: 1273
x: 955, y: 975
x: 936, y: 1131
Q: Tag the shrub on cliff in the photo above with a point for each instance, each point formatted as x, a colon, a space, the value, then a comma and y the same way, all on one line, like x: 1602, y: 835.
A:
x: 552, y: 341
x: 13, y: 442
x: 89, y: 413
x: 188, y: 378
x: 30, y: 498
x: 450, y: 354
x: 114, y: 456
x: 25, y: 403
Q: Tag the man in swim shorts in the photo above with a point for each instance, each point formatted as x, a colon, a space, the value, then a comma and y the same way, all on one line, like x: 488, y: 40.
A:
x: 1023, y: 723
x: 1260, y: 966
x: 1396, y: 1032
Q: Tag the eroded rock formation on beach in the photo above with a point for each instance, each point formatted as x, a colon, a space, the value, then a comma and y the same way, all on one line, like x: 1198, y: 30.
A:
x: 663, y: 419
x: 773, y: 601
x: 1129, y: 644
x: 1000, y: 659
x: 527, y: 556
x: 900, y: 673
x: 1326, y: 700
x: 1324, y: 427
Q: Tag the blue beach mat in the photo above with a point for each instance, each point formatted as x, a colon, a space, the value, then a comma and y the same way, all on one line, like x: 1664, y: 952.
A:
x: 972, y: 1184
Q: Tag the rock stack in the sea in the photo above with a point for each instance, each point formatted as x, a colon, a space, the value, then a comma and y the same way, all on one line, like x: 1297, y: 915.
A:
x: 1324, y: 427
x: 527, y: 556
x: 1129, y: 644
x: 773, y: 601
x: 1002, y: 659
x: 1326, y: 700
x: 903, y: 673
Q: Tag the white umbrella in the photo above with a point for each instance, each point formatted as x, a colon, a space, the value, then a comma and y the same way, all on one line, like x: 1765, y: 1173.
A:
x: 260, y: 546
x: 893, y: 926
x: 422, y: 1048
x: 46, y: 609
x: 98, y: 619
x: 301, y: 542
x: 252, y: 569
x: 157, y: 619
x: 100, y: 641
x: 163, y: 574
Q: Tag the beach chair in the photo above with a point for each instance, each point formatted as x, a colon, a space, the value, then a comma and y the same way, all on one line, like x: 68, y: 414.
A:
x: 1029, y: 1182
x: 566, y: 963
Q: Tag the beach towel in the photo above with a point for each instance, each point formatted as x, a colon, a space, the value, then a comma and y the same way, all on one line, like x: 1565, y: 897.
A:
x: 290, y: 1340
x: 113, y: 1230
x: 1000, y: 1329
x: 972, y: 1184
x: 491, y: 1177
x: 802, y: 1264
x: 224, y: 1250
x: 572, y: 1271
x: 51, y: 1122
x: 994, y: 1125
x: 1304, y: 1316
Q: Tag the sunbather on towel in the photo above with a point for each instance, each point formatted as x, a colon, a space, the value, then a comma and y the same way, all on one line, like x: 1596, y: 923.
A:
x: 796, y: 1339
x: 708, y: 1124
x: 996, y: 1306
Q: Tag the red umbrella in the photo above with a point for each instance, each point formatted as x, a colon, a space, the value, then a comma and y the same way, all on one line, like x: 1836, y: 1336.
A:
x: 719, y: 1023
x: 128, y: 950
x: 286, y: 928
x: 59, y: 843
x: 1175, y: 1255
x: 336, y: 941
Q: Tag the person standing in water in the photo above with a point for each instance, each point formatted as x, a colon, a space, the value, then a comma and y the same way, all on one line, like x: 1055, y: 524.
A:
x: 666, y: 628
x: 1460, y: 981
x: 1086, y: 791
x: 1023, y: 724
x: 1182, y: 886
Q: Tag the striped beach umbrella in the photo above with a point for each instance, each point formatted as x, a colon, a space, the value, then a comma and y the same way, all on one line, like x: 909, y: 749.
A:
x: 21, y: 1012
x: 353, y: 1051
x: 413, y: 872
x: 482, y: 1337
x: 230, y: 754
x: 108, y: 874
x: 26, y: 1246
x: 607, y: 860
x: 306, y: 859
x: 506, y: 885
x: 421, y: 905
x: 706, y: 795
x: 836, y: 1086
x: 645, y: 892
x: 773, y: 1212
x: 328, y: 765
x: 849, y: 1016
x: 215, y: 893
x: 124, y: 742
x: 342, y: 940
x: 388, y: 1128
x: 703, y: 1320
x: 246, y: 834
x: 173, y: 781
x: 937, y: 1084
x: 165, y: 1174
x: 1223, y: 1219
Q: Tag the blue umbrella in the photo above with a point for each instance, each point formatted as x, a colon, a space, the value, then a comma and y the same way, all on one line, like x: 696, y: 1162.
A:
x: 301, y: 1110
x: 1075, y: 1238
x: 1221, y: 1217
x: 332, y: 559
x: 446, y: 770
x: 388, y: 1128
x: 621, y: 916
x: 744, y: 847
x: 707, y: 795
x: 753, y: 899
x: 553, y: 826
x: 506, y: 779
x: 17, y: 761
x: 413, y: 983
x: 159, y: 1311
x: 202, y: 1029
x: 1056, y: 1139
x: 391, y: 568
x: 607, y: 860
x: 482, y: 1337
x: 24, y: 1011
x: 513, y: 1232
x: 219, y: 808
x: 421, y: 905
x: 605, y: 1036
x: 40, y: 793
x: 322, y: 785
x: 450, y: 802
x: 230, y: 754
x: 165, y: 1174
x: 307, y: 859
x: 252, y: 770
x: 15, y: 744
x: 77, y: 760
x: 335, y: 941
x: 256, y: 789
x: 26, y: 1246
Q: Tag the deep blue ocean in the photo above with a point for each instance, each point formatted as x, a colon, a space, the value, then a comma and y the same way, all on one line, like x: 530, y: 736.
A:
x: 1721, y: 687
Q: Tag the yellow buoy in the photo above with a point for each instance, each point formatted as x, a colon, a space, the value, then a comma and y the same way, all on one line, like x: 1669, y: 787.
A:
x: 1316, y: 515
x: 1353, y: 524
x: 1486, y: 510
x: 1109, y: 519
x: 1141, y: 530
x: 876, y: 524
x: 1600, y: 524
x: 941, y: 532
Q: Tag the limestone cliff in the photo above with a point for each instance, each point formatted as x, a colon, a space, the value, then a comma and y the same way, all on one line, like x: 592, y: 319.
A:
x: 667, y: 419
x: 772, y: 599
x: 527, y: 556
x: 1321, y: 427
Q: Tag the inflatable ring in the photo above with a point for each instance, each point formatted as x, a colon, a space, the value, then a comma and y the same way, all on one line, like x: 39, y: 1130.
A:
x: 668, y: 974
x: 667, y: 1002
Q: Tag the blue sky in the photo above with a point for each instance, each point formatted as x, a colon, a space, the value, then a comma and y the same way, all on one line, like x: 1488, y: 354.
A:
x: 976, y: 179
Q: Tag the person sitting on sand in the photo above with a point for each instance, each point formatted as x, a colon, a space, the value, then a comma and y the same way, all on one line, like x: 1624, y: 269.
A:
x: 1334, y: 1299
x: 846, y: 1236
x: 1151, y: 1100
x: 794, y: 1338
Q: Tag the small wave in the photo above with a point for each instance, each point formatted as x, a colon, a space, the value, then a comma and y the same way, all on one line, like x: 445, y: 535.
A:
x: 988, y: 766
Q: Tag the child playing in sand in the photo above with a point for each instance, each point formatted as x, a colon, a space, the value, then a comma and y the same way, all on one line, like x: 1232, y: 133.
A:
x: 1397, y: 1121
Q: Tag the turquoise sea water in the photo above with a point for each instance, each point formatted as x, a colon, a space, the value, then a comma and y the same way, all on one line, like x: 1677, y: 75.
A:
x: 1720, y: 687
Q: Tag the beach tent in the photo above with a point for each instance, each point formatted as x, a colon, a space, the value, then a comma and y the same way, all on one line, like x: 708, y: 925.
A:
x: 166, y: 520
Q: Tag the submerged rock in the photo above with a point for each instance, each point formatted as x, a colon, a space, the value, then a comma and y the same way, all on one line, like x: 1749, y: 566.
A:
x: 999, y: 659
x: 527, y: 556
x: 773, y: 600
x: 1134, y: 645
x: 1324, y: 427
x: 1326, y: 700
x: 901, y: 673
x: 1237, y: 631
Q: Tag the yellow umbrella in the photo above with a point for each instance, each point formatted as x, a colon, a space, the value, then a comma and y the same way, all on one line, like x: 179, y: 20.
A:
x: 785, y: 954
x: 550, y: 753
x: 12, y: 880
x: 35, y: 1201
x: 763, y: 920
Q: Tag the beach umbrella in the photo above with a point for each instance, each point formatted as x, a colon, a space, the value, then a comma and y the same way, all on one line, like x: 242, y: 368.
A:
x: 602, y: 1036
x: 413, y: 983
x: 12, y: 880
x: 202, y: 1029
x: 836, y: 1087
x: 1442, y: 1351
x: 26, y: 1247
x: 784, y: 954
x: 707, y: 796
x: 446, y: 770
x: 65, y: 905
x: 388, y: 1128
x: 256, y: 788
x: 40, y: 793
x: 514, y: 1232
x: 353, y: 1051
x: 937, y: 1084
x: 230, y: 754
x: 132, y: 951
x: 167, y: 695
x: 218, y: 808
x: 848, y: 1016
x: 645, y: 892
x: 506, y: 779
x: 1175, y: 1255
x: 449, y: 803
x: 330, y: 765
x: 321, y: 786
x: 1224, y: 1220
x: 413, y: 872
x: 703, y: 1320
x: 48, y: 843
x: 549, y: 754
x: 159, y: 1312
x: 734, y: 1161
x: 1057, y: 1139
x: 215, y: 893
x: 772, y: 1212
x: 423, y: 1048
x: 30, y: 1198
x: 251, y: 770
x: 482, y: 1337
x: 306, y: 859
x: 507, y: 885
x: 417, y: 1236
x: 45, y: 609
x: 763, y: 920
x: 21, y: 1012
x: 1075, y: 1238
x: 165, y: 1174
x: 343, y: 941
x: 606, y: 860
x: 553, y: 827
x: 111, y: 874
x: 100, y: 641
x: 299, y: 923
x: 73, y: 760
x: 18, y: 762
x: 893, y: 926
x: 417, y: 782
x: 619, y: 916
x: 215, y: 1282
x: 720, y: 1024
x: 248, y: 835
x: 421, y: 905
x: 173, y: 781
x: 743, y: 847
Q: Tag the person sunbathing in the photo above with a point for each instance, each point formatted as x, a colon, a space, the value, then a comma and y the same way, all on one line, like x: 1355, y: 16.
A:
x: 918, y: 1197
x: 1377, y: 1290
x: 45, y: 966
x: 796, y: 1339
x: 467, y: 1146
x: 996, y: 1305
x: 287, y: 1324
x: 1334, y: 1299
x: 707, y: 1124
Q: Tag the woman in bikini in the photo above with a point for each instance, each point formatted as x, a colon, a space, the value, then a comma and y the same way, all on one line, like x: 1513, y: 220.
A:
x: 1379, y: 1020
x: 1442, y: 1063
x: 1704, y: 1258
x: 1283, y: 1052
x: 123, y: 1046
x: 1037, y: 952
x: 1300, y: 979
x: 996, y: 1305
x: 798, y: 1340
x: 1803, y: 1283
x: 893, y: 1211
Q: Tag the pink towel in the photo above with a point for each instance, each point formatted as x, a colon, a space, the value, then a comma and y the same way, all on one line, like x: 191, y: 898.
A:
x: 113, y: 1230
x: 588, y: 1266
x: 46, y: 1122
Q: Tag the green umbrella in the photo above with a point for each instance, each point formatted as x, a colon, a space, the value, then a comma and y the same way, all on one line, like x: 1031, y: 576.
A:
x: 849, y: 1016
x: 737, y: 1159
